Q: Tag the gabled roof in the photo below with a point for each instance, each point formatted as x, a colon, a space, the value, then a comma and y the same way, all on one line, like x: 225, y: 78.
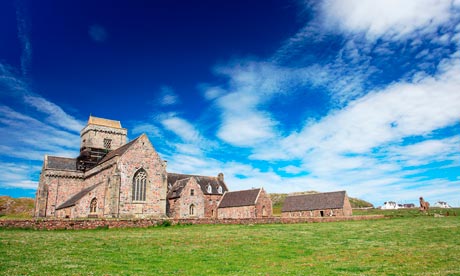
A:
x: 239, y: 198
x: 61, y: 163
x: 331, y: 200
x: 103, y: 122
x: 203, y: 181
x: 75, y: 198
x: 118, y: 152
x: 177, y: 188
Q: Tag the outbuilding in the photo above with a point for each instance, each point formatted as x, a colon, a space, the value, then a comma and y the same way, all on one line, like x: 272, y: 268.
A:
x: 254, y: 203
x: 317, y: 205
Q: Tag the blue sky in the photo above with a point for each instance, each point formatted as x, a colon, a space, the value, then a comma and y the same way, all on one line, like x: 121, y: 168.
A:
x: 354, y: 95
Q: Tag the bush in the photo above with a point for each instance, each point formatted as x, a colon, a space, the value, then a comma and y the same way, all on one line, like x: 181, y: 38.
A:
x: 165, y: 223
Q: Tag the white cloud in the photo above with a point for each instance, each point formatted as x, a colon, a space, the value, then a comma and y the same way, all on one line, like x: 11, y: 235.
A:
x: 18, y: 175
x: 23, y: 35
x: 391, y: 18
x: 56, y: 115
x: 168, y: 97
x: 185, y: 130
x: 292, y: 169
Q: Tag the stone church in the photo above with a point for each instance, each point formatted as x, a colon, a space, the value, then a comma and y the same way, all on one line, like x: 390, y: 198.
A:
x: 113, y: 178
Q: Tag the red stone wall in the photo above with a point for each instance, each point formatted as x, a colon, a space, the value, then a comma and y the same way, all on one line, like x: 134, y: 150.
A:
x: 210, y: 205
x: 314, y: 213
x: 263, y: 205
x: 180, y: 207
x: 142, y: 155
x: 61, y: 186
x: 347, y: 210
x: 53, y: 224
x: 237, y: 212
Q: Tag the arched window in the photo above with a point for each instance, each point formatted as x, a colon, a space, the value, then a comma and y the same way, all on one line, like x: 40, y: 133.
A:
x: 264, y: 211
x: 209, y: 189
x: 139, y: 185
x: 93, y: 205
x: 192, y: 210
x: 219, y: 189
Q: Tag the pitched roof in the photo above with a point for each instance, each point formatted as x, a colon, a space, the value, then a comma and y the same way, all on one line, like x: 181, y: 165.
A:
x: 103, y: 122
x: 331, y: 200
x: 239, y: 198
x: 203, y: 181
x: 177, y: 188
x: 61, y: 163
x: 75, y: 198
x: 117, y: 152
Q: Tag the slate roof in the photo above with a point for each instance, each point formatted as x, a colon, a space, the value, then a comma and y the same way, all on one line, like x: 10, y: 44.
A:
x: 239, y: 198
x: 203, y: 181
x: 61, y: 163
x: 75, y: 198
x: 331, y: 200
x: 117, y: 152
x: 177, y: 188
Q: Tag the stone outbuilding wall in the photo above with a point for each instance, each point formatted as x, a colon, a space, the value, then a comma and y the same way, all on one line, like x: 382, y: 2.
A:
x: 332, y: 204
x: 254, y: 203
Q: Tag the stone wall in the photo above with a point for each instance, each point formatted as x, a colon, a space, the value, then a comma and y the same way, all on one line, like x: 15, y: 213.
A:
x: 180, y: 207
x: 93, y: 136
x: 211, y: 203
x: 315, y: 213
x: 263, y: 205
x: 55, y: 224
x: 142, y: 155
x: 237, y: 212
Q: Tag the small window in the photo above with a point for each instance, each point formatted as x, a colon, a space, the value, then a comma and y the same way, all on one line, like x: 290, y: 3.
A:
x: 264, y: 211
x: 93, y: 206
x: 192, y: 192
x: 107, y: 143
x: 219, y: 189
x: 209, y: 189
x: 192, y: 210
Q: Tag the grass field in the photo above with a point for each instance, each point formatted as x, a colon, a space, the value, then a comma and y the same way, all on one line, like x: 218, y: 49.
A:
x: 409, y: 245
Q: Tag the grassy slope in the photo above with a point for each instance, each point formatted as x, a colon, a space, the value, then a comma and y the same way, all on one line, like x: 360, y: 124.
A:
x: 402, y: 246
x: 16, y: 207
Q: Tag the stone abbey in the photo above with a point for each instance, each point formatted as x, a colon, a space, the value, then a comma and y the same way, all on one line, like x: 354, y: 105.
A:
x: 113, y: 178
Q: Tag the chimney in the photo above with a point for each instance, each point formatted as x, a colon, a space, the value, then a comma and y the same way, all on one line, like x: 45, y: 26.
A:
x: 220, y: 176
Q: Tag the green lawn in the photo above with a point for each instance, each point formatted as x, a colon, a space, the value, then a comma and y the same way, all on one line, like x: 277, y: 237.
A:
x: 421, y: 245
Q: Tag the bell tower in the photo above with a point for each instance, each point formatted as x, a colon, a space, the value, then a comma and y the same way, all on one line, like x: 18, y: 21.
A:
x: 99, y: 137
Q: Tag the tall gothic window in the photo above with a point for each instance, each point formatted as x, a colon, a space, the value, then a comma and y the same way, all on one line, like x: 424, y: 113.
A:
x: 139, y: 185
x: 209, y: 189
x: 93, y: 205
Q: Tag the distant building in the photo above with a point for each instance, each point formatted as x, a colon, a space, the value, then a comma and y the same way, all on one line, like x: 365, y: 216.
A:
x: 317, y: 205
x: 409, y: 205
x: 442, y: 204
x: 390, y: 205
x: 254, y: 203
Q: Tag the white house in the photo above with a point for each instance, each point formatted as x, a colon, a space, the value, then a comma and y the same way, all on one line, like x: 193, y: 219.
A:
x: 442, y: 204
x: 390, y: 205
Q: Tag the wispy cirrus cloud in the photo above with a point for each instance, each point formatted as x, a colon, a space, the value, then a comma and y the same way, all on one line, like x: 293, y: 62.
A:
x: 23, y: 26
x: 168, y: 97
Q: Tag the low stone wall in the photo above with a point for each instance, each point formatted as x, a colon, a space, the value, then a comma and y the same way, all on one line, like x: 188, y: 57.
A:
x: 59, y: 224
